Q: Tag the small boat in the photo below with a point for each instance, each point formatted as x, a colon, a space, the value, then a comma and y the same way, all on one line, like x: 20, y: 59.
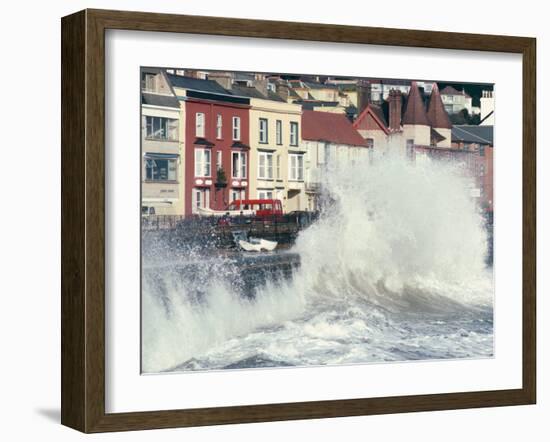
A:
x: 204, y: 211
x: 257, y: 245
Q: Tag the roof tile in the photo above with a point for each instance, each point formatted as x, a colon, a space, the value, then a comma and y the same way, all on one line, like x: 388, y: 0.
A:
x: 331, y: 127
x: 437, y: 115
x: 415, y: 113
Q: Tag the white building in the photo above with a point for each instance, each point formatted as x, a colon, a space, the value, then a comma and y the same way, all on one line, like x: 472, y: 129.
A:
x: 487, y: 104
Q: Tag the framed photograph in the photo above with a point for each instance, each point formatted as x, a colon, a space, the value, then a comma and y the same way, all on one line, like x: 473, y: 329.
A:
x: 267, y: 221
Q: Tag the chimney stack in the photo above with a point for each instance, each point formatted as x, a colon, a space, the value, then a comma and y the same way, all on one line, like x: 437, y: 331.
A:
x: 260, y: 84
x: 395, y: 103
x: 224, y: 79
x: 282, y: 90
x: 363, y: 92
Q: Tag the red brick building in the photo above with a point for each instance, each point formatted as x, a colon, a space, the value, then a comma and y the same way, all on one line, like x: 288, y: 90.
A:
x: 216, y: 144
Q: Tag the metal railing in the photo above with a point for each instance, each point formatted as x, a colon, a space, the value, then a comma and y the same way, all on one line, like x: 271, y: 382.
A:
x: 160, y: 222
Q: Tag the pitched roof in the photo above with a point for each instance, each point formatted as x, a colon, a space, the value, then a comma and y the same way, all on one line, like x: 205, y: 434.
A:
x: 377, y: 114
x: 473, y: 134
x: 331, y: 127
x: 414, y: 109
x: 160, y: 100
x: 246, y: 91
x: 437, y: 115
x: 314, y: 85
x: 196, y: 84
x: 273, y: 96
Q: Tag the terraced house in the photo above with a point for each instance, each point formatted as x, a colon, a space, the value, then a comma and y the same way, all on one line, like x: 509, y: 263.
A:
x: 276, y: 154
x: 162, y: 173
x: 216, y: 143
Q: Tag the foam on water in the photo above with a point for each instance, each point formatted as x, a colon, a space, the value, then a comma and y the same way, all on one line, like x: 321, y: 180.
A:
x: 393, y: 270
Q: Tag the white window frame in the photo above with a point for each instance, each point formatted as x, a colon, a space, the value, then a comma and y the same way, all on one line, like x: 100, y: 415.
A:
x: 279, y: 132
x: 171, y: 165
x: 219, y: 126
x: 240, y: 173
x: 294, y: 131
x: 167, y: 128
x: 263, y: 126
x: 278, y: 167
x: 265, y: 194
x: 265, y: 165
x: 203, y: 162
x: 201, y: 198
x: 236, y: 128
x: 199, y: 125
x: 295, y: 169
x: 219, y: 160
x: 237, y: 194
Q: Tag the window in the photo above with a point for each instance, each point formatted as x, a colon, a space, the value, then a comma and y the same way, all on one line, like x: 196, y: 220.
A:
x: 370, y: 143
x: 158, y: 128
x: 219, y: 163
x: 296, y: 172
x: 278, y: 167
x: 161, y: 169
x: 237, y: 194
x: 236, y: 128
x: 263, y: 131
x: 202, y: 162
x: 411, y: 154
x: 219, y: 123
x: 149, y: 82
x: 265, y: 194
x: 201, y: 198
x: 293, y: 133
x: 265, y: 165
x: 279, y: 132
x: 238, y: 169
x: 199, y: 124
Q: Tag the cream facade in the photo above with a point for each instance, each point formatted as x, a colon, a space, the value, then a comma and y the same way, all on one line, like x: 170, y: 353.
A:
x: 277, y: 153
x: 161, y: 150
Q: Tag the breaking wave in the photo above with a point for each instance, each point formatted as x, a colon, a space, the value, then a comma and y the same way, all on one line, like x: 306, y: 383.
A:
x: 394, y: 269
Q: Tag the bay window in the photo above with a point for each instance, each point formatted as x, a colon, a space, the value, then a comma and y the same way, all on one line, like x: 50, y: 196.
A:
x: 237, y: 194
x: 265, y: 194
x: 296, y: 167
x: 160, y: 128
x: 238, y: 163
x: 161, y: 167
x: 202, y: 162
x: 265, y: 165
x: 201, y: 199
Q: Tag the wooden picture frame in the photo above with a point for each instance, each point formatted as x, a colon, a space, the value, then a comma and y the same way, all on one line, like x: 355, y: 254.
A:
x: 83, y: 220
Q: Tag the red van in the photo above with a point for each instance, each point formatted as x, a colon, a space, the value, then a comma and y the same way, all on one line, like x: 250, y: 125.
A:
x: 262, y: 208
